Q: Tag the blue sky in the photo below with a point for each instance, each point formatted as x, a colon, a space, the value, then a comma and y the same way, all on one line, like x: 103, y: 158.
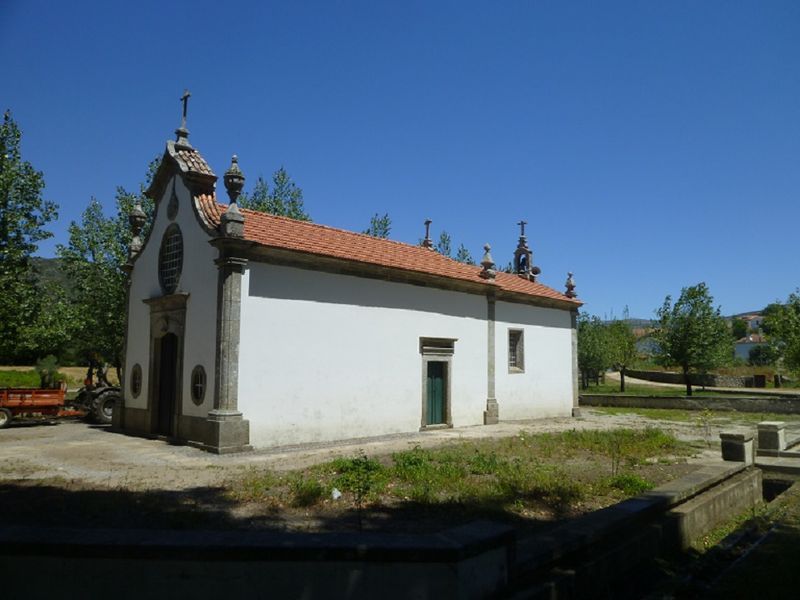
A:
x: 650, y: 145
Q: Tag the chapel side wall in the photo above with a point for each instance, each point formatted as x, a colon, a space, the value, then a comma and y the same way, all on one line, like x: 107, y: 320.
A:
x: 325, y: 357
x: 198, y: 276
x: 544, y: 389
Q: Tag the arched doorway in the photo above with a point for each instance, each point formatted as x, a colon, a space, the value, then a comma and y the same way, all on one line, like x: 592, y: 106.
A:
x: 166, y: 383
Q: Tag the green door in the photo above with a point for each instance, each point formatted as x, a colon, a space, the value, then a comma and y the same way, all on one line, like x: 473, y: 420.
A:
x: 436, y: 392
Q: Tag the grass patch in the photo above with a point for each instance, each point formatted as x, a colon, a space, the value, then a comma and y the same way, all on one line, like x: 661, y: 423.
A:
x: 547, y: 475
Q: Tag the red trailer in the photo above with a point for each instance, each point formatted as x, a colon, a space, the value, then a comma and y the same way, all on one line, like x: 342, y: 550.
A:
x: 18, y: 402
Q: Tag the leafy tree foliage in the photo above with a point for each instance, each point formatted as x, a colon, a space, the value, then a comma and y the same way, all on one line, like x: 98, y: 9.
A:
x: 463, y: 255
x: 761, y: 356
x: 692, y: 334
x: 444, y: 244
x: 738, y: 328
x: 593, y: 348
x: 621, y: 345
x: 24, y: 215
x: 379, y: 226
x: 94, y: 258
x: 782, y: 321
x: 285, y: 199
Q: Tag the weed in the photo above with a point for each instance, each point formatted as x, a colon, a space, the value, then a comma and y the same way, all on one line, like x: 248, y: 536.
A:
x: 305, y: 491
x: 630, y: 484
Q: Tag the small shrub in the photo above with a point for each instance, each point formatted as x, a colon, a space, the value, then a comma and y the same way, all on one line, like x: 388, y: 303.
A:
x: 412, y: 465
x: 306, y: 492
x: 47, y: 368
x: 360, y: 476
x: 630, y: 484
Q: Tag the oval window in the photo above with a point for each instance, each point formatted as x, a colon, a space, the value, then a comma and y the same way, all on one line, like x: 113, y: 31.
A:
x: 198, y: 384
x: 136, y: 380
x: 170, y: 259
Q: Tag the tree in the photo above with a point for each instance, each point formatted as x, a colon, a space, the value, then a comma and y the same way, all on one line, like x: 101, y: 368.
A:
x: 285, y: 199
x: 94, y: 258
x: 738, y: 328
x: 761, y: 356
x: 782, y: 321
x: 593, y: 350
x: 463, y: 255
x: 692, y: 334
x: 621, y: 348
x: 379, y: 226
x: 24, y: 215
x: 444, y: 244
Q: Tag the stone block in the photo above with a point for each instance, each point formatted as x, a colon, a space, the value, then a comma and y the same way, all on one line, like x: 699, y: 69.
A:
x: 737, y: 446
x: 772, y: 435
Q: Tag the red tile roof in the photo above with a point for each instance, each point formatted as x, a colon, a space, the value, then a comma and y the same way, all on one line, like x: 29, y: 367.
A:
x: 302, y: 236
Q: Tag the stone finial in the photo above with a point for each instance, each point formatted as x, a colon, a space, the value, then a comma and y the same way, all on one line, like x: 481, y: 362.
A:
x: 487, y: 263
x: 234, y: 180
x: 232, y: 220
x: 182, y: 140
x: 136, y: 219
x: 570, y: 293
x: 427, y: 242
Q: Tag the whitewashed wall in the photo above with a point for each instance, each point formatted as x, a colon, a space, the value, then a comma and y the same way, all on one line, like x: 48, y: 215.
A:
x: 326, y: 357
x: 545, y: 388
x: 199, y: 279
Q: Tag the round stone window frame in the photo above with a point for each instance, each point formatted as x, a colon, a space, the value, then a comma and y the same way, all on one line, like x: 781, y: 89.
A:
x: 198, y: 381
x: 136, y: 380
x: 170, y: 259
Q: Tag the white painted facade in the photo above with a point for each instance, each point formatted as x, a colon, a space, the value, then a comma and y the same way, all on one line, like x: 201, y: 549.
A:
x: 544, y: 388
x: 198, y: 279
x: 326, y: 357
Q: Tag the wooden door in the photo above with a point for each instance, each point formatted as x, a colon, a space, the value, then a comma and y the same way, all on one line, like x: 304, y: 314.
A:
x: 436, y: 392
x: 167, y: 383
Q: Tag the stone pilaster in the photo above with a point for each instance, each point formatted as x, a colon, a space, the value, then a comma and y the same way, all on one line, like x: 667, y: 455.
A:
x: 492, y: 413
x: 229, y: 432
x: 576, y: 410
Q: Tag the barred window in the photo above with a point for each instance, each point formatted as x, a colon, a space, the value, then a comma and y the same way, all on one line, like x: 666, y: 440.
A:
x: 516, y: 351
x: 198, y: 384
x: 170, y: 259
x: 136, y: 380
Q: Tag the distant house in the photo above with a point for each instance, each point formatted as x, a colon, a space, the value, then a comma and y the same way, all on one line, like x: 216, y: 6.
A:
x: 743, y: 346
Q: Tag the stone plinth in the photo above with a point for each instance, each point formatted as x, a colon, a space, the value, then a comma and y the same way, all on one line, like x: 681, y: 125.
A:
x: 772, y: 435
x: 737, y: 446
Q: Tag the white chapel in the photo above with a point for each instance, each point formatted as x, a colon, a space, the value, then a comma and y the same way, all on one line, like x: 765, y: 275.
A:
x: 250, y: 330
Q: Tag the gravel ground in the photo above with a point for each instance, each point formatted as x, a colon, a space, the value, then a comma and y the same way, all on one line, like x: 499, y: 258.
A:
x: 94, y: 455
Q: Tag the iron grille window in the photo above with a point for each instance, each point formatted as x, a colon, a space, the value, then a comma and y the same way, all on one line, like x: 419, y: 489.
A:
x: 516, y: 351
x: 198, y: 384
x: 170, y: 259
x: 136, y: 380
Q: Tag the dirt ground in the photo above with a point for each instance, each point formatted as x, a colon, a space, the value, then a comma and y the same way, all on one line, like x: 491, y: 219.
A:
x: 94, y: 455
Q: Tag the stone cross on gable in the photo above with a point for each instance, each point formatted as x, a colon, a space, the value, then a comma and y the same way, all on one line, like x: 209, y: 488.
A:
x: 185, y: 100
x: 522, y: 228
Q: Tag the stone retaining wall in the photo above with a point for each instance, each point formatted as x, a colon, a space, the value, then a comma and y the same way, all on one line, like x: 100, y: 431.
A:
x: 695, y: 378
x: 724, y: 403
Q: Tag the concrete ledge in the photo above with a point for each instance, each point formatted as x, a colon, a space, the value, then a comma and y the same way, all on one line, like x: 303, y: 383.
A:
x: 737, y: 446
x: 471, y: 561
